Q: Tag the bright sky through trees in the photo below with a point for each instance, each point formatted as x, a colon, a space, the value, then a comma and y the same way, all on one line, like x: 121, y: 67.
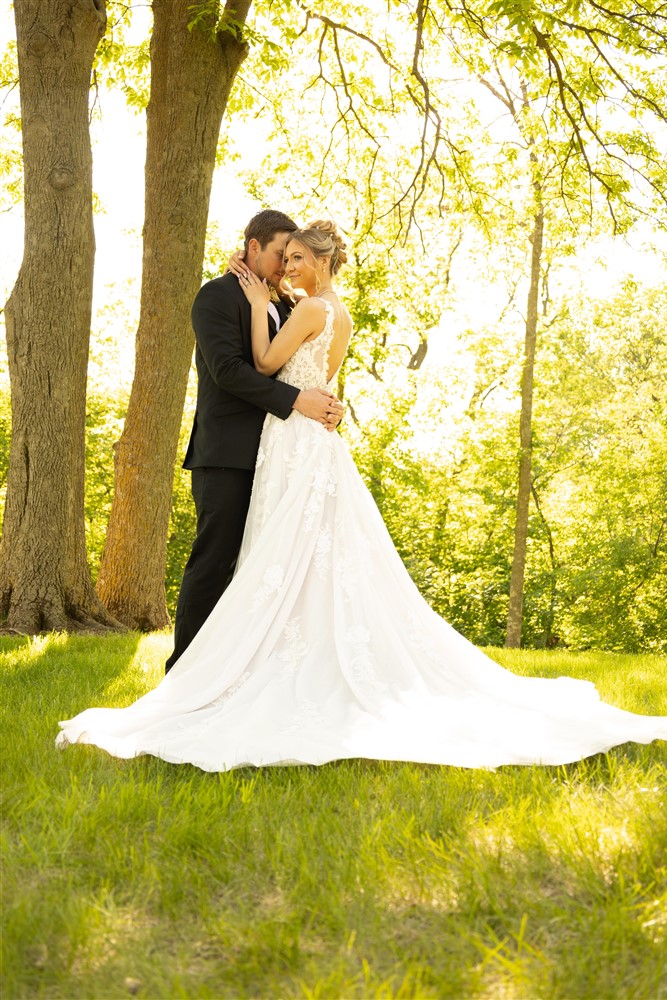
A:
x: 433, y: 381
x: 118, y: 135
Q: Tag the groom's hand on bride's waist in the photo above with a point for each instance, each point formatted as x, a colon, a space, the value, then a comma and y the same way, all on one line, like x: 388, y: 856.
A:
x: 320, y: 405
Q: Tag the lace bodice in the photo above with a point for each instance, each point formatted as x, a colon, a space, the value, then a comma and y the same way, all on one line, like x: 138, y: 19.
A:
x: 309, y: 365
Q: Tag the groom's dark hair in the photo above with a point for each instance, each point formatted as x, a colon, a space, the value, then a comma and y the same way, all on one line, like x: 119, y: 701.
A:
x: 264, y: 226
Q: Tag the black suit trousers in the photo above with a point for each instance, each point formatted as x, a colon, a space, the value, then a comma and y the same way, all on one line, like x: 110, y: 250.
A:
x: 222, y: 498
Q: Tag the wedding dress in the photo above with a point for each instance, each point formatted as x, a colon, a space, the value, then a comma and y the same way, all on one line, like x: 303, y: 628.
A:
x: 322, y: 647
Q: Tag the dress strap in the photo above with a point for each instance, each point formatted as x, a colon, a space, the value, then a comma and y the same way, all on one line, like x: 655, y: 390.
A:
x: 328, y: 325
x: 327, y: 335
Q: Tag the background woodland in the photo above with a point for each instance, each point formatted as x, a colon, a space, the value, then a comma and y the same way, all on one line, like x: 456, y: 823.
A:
x: 499, y: 169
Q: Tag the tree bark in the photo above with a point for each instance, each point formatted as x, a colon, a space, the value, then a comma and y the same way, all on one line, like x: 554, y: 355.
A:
x: 515, y: 614
x: 192, y: 72
x: 44, y: 577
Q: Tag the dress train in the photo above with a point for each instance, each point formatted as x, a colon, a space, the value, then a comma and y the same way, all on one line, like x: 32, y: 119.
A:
x: 322, y: 648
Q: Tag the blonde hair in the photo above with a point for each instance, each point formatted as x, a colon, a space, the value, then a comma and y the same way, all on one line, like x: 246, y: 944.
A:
x: 322, y: 237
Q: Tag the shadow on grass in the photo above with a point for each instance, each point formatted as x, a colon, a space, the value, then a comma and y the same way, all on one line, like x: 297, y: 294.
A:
x: 24, y: 652
x: 47, y: 678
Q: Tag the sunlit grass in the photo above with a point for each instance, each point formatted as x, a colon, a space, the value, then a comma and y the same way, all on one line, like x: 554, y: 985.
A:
x: 358, y: 879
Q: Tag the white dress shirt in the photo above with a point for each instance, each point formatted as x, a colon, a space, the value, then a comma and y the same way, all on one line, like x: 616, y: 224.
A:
x: 275, y: 315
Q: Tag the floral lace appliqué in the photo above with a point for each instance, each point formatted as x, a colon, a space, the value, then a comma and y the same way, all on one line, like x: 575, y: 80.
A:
x: 272, y: 581
x: 294, y: 650
x: 322, y: 557
x: 308, y: 366
x: 309, y: 714
x: 348, y: 567
x: 298, y: 456
x: 229, y: 692
x: 318, y: 484
x: 418, y: 639
x: 361, y: 659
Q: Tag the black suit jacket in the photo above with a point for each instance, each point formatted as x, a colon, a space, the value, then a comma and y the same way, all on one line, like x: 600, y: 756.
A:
x: 232, y: 397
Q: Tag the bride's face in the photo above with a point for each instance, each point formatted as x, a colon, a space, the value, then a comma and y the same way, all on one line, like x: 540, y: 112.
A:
x: 300, y: 267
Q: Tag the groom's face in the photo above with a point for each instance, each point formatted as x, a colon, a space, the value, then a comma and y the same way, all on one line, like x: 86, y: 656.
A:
x: 269, y: 262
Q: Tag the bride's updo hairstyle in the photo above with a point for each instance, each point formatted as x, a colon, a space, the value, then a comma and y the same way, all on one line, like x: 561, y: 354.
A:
x: 323, y: 239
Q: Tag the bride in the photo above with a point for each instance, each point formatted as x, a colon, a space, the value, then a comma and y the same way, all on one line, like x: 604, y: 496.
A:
x: 322, y: 647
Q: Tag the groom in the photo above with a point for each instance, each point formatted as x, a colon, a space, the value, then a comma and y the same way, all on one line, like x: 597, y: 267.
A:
x: 232, y: 400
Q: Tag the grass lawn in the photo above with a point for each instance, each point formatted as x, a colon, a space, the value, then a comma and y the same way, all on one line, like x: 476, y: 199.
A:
x: 357, y: 879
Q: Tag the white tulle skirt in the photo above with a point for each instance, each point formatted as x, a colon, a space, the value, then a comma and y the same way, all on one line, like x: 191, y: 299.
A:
x: 322, y: 648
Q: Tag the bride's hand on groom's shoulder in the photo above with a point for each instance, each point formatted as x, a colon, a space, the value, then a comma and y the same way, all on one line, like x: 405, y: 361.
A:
x: 236, y: 264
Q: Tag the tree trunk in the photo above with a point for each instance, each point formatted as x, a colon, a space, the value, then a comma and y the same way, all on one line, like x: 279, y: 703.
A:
x: 44, y: 578
x: 515, y: 615
x: 192, y: 72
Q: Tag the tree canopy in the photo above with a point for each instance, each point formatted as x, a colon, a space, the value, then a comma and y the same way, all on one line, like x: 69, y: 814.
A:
x: 437, y: 133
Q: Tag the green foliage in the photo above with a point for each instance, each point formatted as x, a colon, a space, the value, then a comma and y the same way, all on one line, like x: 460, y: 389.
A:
x: 104, y: 425
x: 597, y: 75
x: 11, y: 161
x: 422, y: 192
x: 619, y: 485
x: 121, y: 64
x: 209, y: 17
x: 450, y: 522
x: 355, y: 879
x: 597, y: 555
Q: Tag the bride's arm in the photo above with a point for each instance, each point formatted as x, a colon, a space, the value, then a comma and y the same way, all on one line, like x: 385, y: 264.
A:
x: 269, y: 355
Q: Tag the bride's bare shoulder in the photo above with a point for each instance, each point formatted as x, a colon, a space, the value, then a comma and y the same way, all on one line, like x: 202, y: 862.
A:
x: 310, y: 310
x: 309, y: 304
